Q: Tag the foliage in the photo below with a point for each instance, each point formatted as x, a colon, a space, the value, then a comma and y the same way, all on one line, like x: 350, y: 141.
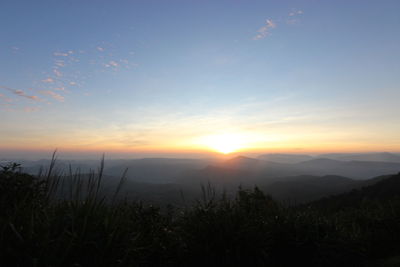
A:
x: 41, y: 225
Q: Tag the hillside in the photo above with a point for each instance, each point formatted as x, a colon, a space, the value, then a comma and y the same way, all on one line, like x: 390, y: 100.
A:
x: 299, y: 189
x: 359, y: 228
x: 384, y: 188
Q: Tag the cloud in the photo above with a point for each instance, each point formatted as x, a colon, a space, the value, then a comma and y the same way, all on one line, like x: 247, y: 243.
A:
x: 113, y: 63
x: 59, y: 54
x: 293, y: 16
x: 264, y: 31
x: 5, y: 99
x: 56, y: 96
x: 295, y: 13
x: 15, y: 49
x: 60, y: 63
x: 57, y: 73
x: 48, y: 80
x: 21, y: 93
x: 99, y: 48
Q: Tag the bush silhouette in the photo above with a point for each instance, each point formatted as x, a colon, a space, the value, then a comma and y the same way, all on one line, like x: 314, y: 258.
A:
x: 40, y: 227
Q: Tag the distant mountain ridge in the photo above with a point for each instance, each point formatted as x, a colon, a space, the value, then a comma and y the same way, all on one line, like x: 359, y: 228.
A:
x: 302, y: 181
x: 383, y: 157
x: 285, y: 158
x: 159, y: 179
x: 321, y: 166
x: 297, y: 158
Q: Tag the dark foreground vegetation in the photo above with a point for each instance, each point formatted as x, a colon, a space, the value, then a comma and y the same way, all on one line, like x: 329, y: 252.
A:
x: 40, y: 227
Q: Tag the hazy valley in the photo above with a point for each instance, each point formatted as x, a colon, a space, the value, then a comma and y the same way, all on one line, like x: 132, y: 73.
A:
x: 286, y: 177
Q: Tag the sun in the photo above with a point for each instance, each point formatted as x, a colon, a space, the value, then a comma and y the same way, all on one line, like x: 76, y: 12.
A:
x: 224, y: 143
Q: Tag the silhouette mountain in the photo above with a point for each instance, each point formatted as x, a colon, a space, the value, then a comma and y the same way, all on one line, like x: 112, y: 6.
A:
x: 379, y: 189
x: 383, y: 156
x: 156, y: 170
x: 285, y: 158
x: 305, y: 188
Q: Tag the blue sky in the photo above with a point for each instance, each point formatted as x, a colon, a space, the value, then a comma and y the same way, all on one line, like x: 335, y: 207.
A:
x: 135, y: 76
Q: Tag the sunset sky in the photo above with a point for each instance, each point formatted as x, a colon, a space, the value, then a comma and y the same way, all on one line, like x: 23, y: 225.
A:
x: 125, y: 77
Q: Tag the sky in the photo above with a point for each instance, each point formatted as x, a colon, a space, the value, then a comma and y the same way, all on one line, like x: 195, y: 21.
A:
x: 137, y: 77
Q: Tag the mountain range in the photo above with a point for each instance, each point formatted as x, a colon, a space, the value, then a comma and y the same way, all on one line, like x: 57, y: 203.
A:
x: 292, y: 178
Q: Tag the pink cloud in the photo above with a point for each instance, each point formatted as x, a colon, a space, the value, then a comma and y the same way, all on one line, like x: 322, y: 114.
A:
x: 265, y: 30
x: 113, y: 63
x: 48, y: 80
x: 53, y: 95
x: 6, y: 99
x: 21, y: 93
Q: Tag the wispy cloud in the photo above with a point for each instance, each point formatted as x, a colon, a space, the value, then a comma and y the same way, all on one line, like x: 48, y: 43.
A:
x: 294, y: 16
x: 5, y: 99
x: 15, y: 49
x: 57, y: 73
x: 295, y: 13
x: 54, y: 95
x: 60, y: 54
x: 48, y: 80
x: 21, y: 93
x: 113, y: 63
x: 264, y: 31
x: 60, y: 63
x: 62, y: 75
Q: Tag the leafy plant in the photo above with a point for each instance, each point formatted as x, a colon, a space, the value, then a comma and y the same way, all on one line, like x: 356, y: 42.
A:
x: 56, y: 219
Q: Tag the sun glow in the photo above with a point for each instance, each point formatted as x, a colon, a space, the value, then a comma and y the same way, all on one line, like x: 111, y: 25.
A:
x: 224, y: 143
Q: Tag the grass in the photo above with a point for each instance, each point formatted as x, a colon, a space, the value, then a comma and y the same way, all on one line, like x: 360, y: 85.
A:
x: 64, y: 219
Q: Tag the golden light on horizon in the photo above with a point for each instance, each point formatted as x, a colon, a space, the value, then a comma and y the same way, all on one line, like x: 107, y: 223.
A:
x: 224, y: 143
